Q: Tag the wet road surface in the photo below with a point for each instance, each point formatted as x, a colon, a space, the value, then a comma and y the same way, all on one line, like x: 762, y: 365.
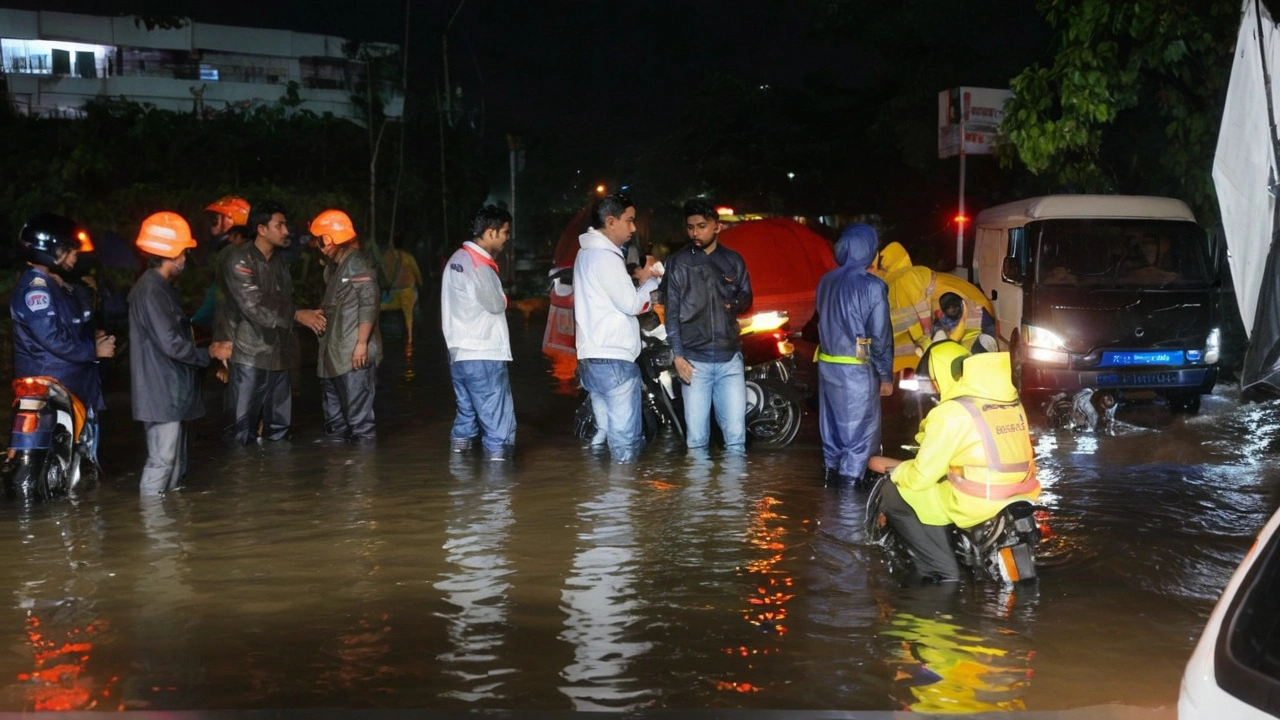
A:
x: 307, y: 575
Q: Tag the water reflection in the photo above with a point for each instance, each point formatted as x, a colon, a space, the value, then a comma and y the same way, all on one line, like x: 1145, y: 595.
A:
x: 601, y: 603
x: 476, y: 582
x: 945, y: 664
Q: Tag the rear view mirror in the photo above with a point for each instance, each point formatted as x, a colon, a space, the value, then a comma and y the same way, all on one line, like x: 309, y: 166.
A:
x: 1011, y: 270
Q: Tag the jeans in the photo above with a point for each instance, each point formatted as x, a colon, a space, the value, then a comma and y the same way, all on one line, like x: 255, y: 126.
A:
x: 616, y: 384
x: 722, y: 386
x: 485, y: 407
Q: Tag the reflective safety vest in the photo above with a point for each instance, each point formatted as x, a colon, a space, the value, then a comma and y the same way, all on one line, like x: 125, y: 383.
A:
x: 1011, y: 467
x: 862, y: 350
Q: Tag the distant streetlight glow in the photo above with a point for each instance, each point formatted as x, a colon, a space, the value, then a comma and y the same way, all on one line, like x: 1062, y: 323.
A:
x: 791, y: 176
x: 600, y: 189
x: 724, y: 210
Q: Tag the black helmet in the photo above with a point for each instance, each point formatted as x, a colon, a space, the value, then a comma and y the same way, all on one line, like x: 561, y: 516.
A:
x: 45, y: 235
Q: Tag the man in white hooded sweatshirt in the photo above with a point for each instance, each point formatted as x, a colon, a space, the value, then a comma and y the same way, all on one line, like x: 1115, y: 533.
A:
x: 473, y: 314
x: 605, y: 305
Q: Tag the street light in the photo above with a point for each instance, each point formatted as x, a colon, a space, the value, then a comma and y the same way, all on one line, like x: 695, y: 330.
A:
x: 600, y: 189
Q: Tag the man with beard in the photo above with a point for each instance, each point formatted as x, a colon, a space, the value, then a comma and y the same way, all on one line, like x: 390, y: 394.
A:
x: 707, y: 288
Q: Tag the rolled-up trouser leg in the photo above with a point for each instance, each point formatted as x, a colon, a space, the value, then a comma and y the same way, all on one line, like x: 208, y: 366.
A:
x: 356, y: 389
x: 929, y: 544
x: 166, y: 457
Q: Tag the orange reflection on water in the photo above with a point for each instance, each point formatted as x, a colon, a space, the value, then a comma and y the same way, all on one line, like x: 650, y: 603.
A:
x: 564, y: 368
x: 56, y: 682
x: 766, y: 604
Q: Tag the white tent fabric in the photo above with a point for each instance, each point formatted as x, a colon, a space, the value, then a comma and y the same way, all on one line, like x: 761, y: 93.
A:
x: 1243, y: 164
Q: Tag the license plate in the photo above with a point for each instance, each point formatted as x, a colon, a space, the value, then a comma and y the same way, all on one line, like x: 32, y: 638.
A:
x: 1141, y: 379
x: 1113, y: 358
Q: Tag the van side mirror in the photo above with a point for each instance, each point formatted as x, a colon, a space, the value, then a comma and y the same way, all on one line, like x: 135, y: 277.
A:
x: 1011, y: 270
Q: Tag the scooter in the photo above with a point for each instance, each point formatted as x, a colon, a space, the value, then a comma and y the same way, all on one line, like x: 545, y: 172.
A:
x: 774, y: 408
x: 50, y: 450
x: 1000, y: 550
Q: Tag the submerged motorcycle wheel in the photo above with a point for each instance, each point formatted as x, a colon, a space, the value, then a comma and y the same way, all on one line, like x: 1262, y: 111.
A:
x: 777, y: 423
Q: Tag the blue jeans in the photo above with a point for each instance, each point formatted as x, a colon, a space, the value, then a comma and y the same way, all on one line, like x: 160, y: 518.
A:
x: 722, y: 386
x: 485, y: 407
x: 616, y: 385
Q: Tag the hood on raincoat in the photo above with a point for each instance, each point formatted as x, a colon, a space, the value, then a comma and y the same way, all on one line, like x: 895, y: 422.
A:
x: 893, y: 258
x: 856, y: 247
x: 943, y: 356
x: 986, y: 375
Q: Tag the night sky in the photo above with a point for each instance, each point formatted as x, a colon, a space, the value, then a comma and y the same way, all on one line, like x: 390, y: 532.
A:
x: 571, y: 67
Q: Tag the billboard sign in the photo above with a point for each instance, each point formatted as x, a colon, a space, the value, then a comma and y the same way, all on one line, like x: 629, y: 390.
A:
x: 973, y: 114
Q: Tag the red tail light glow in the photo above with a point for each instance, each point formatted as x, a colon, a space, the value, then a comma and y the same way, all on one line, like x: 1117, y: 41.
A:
x: 26, y: 422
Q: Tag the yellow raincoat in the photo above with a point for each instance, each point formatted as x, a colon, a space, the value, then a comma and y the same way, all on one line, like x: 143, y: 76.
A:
x: 913, y: 296
x: 954, y: 478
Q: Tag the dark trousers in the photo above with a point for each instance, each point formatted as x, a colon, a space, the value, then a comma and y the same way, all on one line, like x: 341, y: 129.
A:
x: 254, y: 395
x: 347, y: 403
x: 930, y: 545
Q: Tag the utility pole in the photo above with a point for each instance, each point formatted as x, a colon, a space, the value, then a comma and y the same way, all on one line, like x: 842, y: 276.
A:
x: 446, y: 108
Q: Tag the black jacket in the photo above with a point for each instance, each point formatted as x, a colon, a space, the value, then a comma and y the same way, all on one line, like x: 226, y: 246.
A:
x: 259, y: 311
x: 704, y: 296
x: 163, y: 361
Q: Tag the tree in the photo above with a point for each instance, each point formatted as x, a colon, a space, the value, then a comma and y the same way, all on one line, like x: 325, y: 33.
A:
x: 1130, y: 101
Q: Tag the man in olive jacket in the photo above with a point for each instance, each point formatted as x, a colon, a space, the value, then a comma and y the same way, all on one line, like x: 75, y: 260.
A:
x: 351, y: 346
x: 163, y: 361
x: 260, y: 316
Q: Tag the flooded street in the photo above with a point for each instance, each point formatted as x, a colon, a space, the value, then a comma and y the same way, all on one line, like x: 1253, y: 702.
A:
x: 308, y: 575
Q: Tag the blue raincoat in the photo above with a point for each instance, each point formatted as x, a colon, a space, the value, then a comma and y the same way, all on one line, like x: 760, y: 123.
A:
x: 53, y: 335
x: 852, y: 304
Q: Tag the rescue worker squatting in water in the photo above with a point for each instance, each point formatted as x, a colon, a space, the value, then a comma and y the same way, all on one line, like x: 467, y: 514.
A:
x: 975, y: 458
x: 351, y: 346
x: 52, y: 333
x: 260, y: 316
x: 164, y: 363
x: 970, y: 325
x: 855, y: 356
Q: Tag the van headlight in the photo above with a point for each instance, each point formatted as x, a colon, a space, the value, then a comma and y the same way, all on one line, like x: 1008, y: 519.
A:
x: 1044, y: 345
x: 1213, y: 346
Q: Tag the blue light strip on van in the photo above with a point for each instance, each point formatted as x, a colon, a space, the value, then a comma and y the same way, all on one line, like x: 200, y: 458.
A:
x: 1112, y: 358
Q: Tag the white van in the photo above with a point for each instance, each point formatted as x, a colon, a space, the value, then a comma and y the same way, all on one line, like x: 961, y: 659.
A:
x: 1109, y: 292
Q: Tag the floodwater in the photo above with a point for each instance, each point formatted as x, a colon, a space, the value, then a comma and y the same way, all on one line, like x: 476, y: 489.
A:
x: 306, y: 575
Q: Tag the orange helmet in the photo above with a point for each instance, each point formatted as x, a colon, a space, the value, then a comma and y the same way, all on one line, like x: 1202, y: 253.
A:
x: 233, y: 206
x: 335, y: 225
x: 165, y: 235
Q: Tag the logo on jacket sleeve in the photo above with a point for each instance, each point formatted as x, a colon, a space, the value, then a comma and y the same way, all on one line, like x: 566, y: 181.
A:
x: 456, y: 267
x: 37, y: 300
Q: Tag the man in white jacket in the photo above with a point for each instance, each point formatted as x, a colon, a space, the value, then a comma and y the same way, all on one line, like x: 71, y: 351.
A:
x: 473, y: 314
x: 605, y: 305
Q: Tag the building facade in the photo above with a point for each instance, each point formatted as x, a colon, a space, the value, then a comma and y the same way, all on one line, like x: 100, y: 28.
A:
x: 54, y: 62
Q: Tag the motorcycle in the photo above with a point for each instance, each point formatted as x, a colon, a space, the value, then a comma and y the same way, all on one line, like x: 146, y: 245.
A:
x: 774, y: 407
x: 50, y: 449
x: 1001, y: 550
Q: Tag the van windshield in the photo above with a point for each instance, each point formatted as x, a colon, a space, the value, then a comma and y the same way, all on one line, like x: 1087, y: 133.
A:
x: 1119, y: 253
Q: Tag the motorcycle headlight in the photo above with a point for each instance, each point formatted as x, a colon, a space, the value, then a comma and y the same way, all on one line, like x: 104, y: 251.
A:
x: 1213, y: 346
x: 1044, y: 345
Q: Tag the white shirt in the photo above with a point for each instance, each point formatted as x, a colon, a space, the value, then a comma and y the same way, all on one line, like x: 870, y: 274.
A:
x: 473, y: 308
x: 605, y: 301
